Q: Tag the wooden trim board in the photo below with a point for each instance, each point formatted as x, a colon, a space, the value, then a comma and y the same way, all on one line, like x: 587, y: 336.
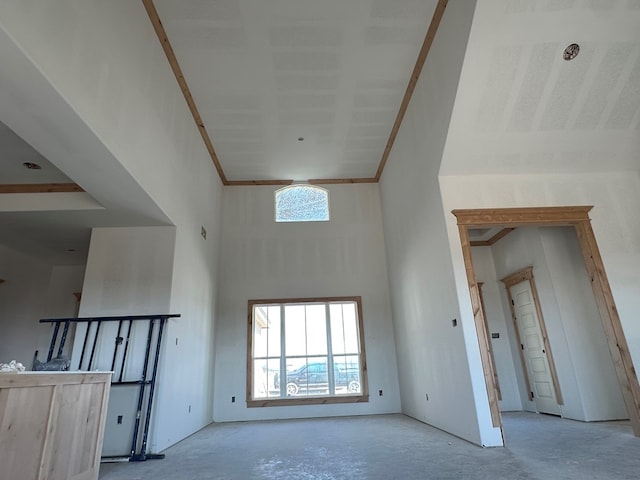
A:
x: 577, y: 217
x: 498, y: 236
x: 415, y: 75
x: 177, y: 71
x: 40, y: 188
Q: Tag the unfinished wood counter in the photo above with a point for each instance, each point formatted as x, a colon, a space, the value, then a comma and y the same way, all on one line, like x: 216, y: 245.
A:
x: 52, y: 424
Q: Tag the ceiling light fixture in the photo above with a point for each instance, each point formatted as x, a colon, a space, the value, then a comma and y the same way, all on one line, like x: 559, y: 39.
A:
x: 571, y: 51
x: 32, y: 166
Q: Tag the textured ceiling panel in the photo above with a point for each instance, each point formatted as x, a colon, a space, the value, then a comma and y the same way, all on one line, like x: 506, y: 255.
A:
x: 530, y: 92
x: 521, y: 108
x: 305, y: 36
x: 265, y: 72
x: 628, y: 102
x: 198, y: 34
x: 606, y: 78
x: 568, y: 83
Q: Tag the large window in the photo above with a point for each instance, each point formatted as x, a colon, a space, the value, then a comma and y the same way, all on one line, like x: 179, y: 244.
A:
x: 306, y: 351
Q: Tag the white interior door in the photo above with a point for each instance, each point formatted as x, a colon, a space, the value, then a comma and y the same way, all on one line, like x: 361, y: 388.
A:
x: 535, y: 355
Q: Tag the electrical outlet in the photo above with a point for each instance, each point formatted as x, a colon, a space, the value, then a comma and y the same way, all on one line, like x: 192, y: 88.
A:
x: 119, y: 419
x: 454, y: 322
x: 233, y: 399
x: 380, y: 392
x: 427, y: 395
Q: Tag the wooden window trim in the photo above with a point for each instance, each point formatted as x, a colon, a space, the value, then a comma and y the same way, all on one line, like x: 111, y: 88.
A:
x: 308, y: 400
x: 578, y: 218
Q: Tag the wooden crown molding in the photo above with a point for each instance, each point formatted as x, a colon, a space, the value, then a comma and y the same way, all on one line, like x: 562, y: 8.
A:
x: 522, y: 217
x: 415, y: 75
x: 517, y: 277
x: 184, y: 87
x: 487, y: 243
x: 40, y: 188
x: 177, y: 71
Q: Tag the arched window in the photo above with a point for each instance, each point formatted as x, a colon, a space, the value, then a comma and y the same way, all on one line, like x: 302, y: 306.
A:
x: 302, y: 203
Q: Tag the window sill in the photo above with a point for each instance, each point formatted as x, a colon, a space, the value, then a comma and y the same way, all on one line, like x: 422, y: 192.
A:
x: 282, y: 402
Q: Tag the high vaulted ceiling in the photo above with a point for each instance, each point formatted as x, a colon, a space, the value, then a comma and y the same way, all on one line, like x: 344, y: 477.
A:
x: 297, y: 89
x: 336, y: 74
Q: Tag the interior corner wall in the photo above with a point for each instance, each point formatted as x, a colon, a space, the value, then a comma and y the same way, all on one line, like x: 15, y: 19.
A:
x: 122, y: 111
x: 262, y: 259
x: 22, y: 304
x: 34, y: 289
x: 510, y: 375
x: 439, y: 383
x: 615, y: 221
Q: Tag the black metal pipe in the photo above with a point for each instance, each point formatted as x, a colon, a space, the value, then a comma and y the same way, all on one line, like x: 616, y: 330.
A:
x: 136, y: 427
x: 54, y: 337
x: 93, y: 348
x: 101, y: 319
x: 117, y: 344
x: 84, y: 345
x: 63, y: 339
x: 152, y: 388
x: 126, y: 349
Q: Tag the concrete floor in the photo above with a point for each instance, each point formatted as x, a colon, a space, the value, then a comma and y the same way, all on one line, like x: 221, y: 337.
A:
x: 393, y: 447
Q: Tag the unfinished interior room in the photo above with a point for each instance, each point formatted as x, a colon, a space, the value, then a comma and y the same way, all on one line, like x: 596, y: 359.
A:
x: 319, y: 239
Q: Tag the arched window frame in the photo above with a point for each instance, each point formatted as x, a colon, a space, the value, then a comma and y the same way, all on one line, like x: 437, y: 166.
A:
x: 303, y: 216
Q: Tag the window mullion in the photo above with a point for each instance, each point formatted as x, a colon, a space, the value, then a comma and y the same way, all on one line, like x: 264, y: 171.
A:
x: 283, y: 354
x: 330, y: 372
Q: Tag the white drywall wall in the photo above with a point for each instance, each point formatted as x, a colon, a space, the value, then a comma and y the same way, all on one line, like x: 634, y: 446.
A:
x: 595, y: 374
x: 111, y: 115
x: 33, y: 289
x: 264, y: 259
x: 503, y: 354
x: 615, y: 221
x: 435, y: 359
x: 22, y: 304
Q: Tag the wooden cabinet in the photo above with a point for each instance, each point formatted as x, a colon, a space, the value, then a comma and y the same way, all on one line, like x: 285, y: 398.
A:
x: 51, y: 424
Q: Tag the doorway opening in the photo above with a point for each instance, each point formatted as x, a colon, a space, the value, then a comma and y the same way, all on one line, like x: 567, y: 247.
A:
x: 576, y: 217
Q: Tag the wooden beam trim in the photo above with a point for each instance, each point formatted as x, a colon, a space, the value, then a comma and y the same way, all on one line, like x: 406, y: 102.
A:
x: 415, y: 75
x: 520, y: 217
x: 337, y: 181
x: 616, y: 340
x: 40, y: 188
x: 177, y: 71
x: 244, y: 183
x: 498, y: 236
